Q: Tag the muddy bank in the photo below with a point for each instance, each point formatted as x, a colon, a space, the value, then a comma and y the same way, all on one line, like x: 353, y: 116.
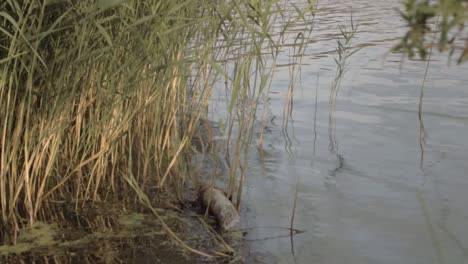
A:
x: 106, y: 233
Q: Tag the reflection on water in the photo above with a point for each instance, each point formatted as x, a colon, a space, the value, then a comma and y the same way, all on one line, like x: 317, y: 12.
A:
x: 371, y: 200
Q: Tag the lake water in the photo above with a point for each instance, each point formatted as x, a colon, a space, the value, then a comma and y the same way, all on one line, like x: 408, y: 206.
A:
x: 378, y: 196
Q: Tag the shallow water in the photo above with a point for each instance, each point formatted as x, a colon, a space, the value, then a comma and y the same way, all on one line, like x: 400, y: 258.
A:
x: 378, y: 197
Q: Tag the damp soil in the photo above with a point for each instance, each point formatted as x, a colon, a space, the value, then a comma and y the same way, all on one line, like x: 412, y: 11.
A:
x: 111, y: 233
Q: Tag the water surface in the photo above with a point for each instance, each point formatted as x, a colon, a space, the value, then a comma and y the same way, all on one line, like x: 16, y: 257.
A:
x: 379, y: 196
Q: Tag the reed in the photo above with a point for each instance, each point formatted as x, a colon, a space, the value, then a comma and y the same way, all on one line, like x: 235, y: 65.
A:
x: 94, y: 93
x: 89, y: 93
x: 344, y: 50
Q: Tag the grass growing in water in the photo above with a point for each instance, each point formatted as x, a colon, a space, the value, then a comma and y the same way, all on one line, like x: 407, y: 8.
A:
x: 96, y: 103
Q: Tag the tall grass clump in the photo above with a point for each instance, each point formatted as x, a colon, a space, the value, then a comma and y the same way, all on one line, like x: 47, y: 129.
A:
x: 89, y: 95
x: 265, y: 27
x: 99, y: 99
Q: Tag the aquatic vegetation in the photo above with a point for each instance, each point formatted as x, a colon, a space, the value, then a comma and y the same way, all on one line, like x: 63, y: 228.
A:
x: 344, y: 51
x: 445, y: 18
x: 99, y: 100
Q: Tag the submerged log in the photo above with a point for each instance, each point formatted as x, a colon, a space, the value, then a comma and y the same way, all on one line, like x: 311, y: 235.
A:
x: 219, y: 206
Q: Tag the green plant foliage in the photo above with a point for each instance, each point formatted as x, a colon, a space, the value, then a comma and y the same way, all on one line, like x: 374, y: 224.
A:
x: 445, y: 18
x: 96, y: 92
